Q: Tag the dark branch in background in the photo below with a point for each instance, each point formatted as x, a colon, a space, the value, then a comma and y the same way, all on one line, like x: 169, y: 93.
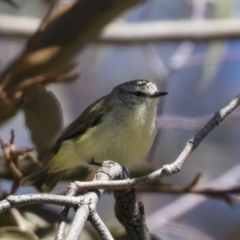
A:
x: 191, y: 123
x: 130, y: 213
x: 57, y: 47
x: 54, y: 76
x: 11, y: 156
x: 51, y: 49
x: 182, y: 30
x: 223, y: 194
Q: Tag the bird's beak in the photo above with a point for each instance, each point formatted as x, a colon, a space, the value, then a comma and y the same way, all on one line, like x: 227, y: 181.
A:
x: 159, y: 94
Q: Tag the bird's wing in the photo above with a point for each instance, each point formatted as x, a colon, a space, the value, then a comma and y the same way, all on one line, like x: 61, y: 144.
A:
x: 90, y: 117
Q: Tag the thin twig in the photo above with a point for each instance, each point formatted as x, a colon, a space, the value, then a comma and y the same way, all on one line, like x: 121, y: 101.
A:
x: 78, y: 223
x: 99, y: 225
x: 191, y: 123
x: 228, y: 179
x: 11, y: 157
x: 60, y: 233
x: 29, y: 199
x: 208, y: 192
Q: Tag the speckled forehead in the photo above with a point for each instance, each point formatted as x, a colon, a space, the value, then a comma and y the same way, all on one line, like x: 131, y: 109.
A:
x: 137, y: 85
x: 145, y: 84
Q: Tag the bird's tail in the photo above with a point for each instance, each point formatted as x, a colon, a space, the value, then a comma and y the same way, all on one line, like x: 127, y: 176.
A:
x: 42, y: 180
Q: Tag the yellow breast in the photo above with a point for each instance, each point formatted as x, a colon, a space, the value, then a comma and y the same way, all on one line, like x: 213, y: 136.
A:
x: 119, y: 137
x: 122, y: 139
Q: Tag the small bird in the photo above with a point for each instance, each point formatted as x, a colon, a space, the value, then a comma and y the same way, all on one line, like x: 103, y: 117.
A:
x: 120, y: 126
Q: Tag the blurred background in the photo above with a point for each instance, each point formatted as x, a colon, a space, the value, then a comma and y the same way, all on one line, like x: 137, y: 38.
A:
x: 201, y: 76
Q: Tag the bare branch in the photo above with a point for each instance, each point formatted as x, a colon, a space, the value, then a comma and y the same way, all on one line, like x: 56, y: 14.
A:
x: 223, y: 193
x: 190, y: 123
x: 165, y: 31
x: 23, y: 200
x: 197, y: 30
x: 81, y: 217
x: 99, y: 225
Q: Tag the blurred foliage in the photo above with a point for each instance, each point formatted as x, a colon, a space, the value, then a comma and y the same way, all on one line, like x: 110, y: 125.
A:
x: 7, y: 220
x: 50, y: 2
x: 15, y: 233
x: 55, y: 43
x: 10, y: 2
x: 221, y: 9
x: 47, y: 56
x: 8, y: 111
x: 42, y: 115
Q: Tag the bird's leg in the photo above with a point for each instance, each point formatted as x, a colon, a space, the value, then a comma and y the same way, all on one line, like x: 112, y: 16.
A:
x: 92, y: 162
x: 126, y: 173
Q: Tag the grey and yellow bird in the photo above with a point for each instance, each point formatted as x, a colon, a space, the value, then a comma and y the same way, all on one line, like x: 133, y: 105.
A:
x: 120, y: 126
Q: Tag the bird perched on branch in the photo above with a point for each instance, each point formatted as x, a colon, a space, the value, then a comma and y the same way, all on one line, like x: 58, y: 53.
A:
x: 120, y: 126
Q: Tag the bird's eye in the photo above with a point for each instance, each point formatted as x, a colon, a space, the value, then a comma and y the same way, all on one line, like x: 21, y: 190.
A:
x: 139, y: 94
